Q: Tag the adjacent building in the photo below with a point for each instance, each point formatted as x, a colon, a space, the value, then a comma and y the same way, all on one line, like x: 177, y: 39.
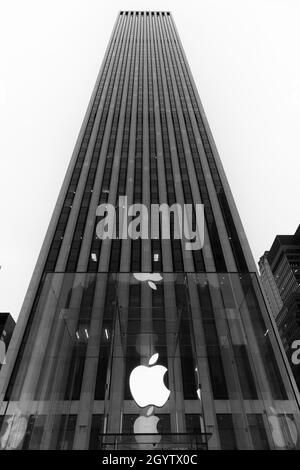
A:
x: 140, y: 342
x: 280, y: 275
x: 274, y: 299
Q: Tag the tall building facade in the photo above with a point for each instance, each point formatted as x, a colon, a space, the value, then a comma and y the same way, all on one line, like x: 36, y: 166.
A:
x: 280, y: 275
x: 140, y: 342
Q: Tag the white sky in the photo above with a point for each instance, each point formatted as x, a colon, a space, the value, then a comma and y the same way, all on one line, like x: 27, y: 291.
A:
x: 244, y: 55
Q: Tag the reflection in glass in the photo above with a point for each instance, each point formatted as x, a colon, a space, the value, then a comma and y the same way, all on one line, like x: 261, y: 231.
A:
x: 227, y: 382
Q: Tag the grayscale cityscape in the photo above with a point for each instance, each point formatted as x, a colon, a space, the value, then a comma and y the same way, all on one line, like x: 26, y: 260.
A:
x: 148, y: 325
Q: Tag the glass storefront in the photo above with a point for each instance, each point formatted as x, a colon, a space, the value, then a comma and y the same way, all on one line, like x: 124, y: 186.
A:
x: 149, y: 361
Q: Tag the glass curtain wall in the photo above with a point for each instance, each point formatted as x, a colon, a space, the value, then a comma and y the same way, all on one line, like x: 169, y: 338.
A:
x: 166, y: 360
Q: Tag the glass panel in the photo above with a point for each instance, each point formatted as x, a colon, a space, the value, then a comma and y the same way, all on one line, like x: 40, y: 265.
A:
x: 226, y: 432
x: 184, y: 359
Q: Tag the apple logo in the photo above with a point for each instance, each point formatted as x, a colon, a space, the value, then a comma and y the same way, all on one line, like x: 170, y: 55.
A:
x: 145, y: 428
x: 147, y: 386
x: 149, y: 277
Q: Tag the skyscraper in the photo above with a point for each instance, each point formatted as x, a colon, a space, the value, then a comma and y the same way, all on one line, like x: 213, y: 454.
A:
x: 141, y: 342
x: 268, y: 281
x: 280, y: 275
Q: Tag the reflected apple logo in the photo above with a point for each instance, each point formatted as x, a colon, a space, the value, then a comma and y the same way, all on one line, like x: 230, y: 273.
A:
x: 150, y: 278
x: 145, y: 428
x: 147, y: 386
